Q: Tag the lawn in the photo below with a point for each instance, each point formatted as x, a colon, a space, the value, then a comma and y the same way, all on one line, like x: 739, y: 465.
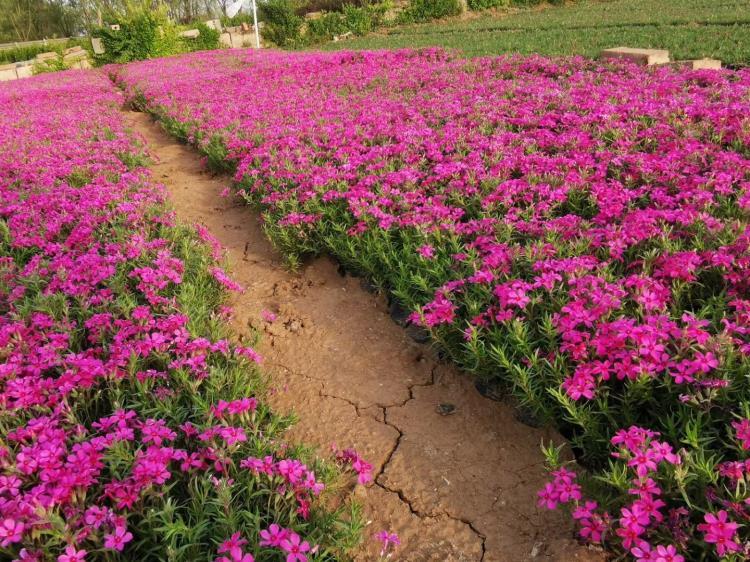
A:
x: 688, y: 28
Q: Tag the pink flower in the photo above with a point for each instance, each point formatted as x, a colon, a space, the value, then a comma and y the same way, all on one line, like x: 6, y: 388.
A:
x: 10, y: 531
x: 742, y: 432
x: 233, y: 546
x: 118, y: 539
x: 388, y: 540
x: 274, y: 536
x: 72, y: 554
x: 719, y: 530
x: 268, y: 316
x: 668, y: 554
x: 426, y: 251
x: 295, y: 548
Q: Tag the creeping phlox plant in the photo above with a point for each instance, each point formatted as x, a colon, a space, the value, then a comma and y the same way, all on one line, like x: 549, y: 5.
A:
x: 129, y: 426
x: 571, y: 230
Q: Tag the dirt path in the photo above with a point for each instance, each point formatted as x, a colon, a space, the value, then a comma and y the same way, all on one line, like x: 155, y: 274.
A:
x: 456, y: 487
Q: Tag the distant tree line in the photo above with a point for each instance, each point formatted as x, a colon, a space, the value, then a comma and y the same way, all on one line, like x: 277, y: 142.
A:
x: 28, y: 20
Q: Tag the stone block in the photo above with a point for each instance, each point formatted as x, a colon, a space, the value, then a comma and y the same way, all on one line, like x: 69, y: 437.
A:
x: 238, y: 41
x: 25, y: 71
x: 76, y: 49
x: 646, y: 57
x: 701, y: 64
x: 8, y: 72
x: 46, y: 57
x: 225, y: 40
x: 70, y: 58
x: 83, y: 64
x: 190, y: 33
x: 98, y: 45
x: 697, y: 64
x: 214, y: 24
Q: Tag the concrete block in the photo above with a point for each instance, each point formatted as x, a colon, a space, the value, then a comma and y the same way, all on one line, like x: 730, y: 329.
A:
x: 237, y: 41
x: 24, y: 71
x: 8, y: 72
x: 697, y: 64
x: 646, y: 57
x: 701, y: 64
x: 45, y: 57
x: 75, y: 56
x: 98, y: 45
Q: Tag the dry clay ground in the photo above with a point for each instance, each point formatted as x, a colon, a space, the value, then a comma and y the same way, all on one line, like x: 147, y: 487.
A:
x: 460, y: 487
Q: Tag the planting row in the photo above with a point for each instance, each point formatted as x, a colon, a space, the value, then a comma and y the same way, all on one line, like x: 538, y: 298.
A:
x: 573, y: 232
x: 130, y: 427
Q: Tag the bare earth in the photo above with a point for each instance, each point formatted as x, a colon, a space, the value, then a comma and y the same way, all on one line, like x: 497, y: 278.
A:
x: 460, y: 487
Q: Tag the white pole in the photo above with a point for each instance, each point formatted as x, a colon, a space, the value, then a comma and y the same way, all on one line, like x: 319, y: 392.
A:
x: 255, y: 22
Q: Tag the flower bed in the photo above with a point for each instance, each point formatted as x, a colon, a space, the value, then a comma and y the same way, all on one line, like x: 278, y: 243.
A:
x: 572, y: 231
x: 130, y: 427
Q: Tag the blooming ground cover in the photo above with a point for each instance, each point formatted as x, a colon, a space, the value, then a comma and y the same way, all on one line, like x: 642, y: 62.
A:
x: 130, y: 427
x: 573, y: 231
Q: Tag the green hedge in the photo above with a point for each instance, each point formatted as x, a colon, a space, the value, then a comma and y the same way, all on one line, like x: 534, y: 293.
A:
x: 150, y: 34
x: 425, y: 10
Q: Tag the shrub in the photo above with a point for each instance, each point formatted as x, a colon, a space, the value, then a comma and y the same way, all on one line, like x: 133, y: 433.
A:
x: 282, y: 24
x: 425, y: 10
x: 352, y: 19
x: 329, y: 5
x: 326, y: 26
x: 142, y: 35
x: 487, y: 4
x: 206, y: 41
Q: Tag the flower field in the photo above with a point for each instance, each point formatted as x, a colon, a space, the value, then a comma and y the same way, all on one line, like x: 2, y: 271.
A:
x: 573, y: 233
x: 131, y: 428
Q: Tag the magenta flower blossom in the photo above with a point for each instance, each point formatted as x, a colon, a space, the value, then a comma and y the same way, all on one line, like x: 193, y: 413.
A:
x: 742, y: 432
x: 72, y: 554
x: 268, y: 316
x: 295, y: 548
x: 118, y: 539
x: 274, y: 536
x: 232, y: 545
x: 721, y: 532
x: 389, y: 541
x: 10, y: 531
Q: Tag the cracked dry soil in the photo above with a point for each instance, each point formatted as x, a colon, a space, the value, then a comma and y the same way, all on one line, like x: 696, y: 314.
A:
x: 457, y: 487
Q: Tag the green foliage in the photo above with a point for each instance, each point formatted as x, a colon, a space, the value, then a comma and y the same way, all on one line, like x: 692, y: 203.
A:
x: 206, y: 41
x: 330, y: 5
x: 52, y: 65
x: 425, y: 10
x: 146, y: 34
x: 357, y: 20
x: 283, y: 24
x: 239, y: 19
x: 486, y: 4
x: 26, y: 20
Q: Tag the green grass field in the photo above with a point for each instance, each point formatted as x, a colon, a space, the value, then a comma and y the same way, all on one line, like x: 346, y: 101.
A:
x: 688, y: 28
